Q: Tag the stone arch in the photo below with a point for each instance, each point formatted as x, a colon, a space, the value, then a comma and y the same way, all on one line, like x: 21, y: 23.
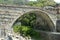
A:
x: 42, y: 13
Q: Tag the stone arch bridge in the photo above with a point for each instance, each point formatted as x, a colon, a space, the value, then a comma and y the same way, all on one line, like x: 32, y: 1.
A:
x: 9, y: 14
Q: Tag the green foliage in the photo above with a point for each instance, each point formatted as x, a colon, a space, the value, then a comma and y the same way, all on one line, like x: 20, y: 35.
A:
x: 41, y: 3
x: 24, y: 30
x: 16, y: 28
x: 28, y: 19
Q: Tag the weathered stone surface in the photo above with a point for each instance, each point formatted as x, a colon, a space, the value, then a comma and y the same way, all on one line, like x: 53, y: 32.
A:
x: 9, y: 14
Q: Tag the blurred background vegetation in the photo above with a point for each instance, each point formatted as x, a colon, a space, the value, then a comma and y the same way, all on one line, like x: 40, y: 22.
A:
x: 38, y: 3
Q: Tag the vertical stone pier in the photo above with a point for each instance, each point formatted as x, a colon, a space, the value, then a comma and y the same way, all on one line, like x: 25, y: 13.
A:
x: 58, y: 23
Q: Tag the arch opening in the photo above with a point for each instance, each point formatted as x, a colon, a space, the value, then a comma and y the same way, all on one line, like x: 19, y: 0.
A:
x: 42, y: 21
